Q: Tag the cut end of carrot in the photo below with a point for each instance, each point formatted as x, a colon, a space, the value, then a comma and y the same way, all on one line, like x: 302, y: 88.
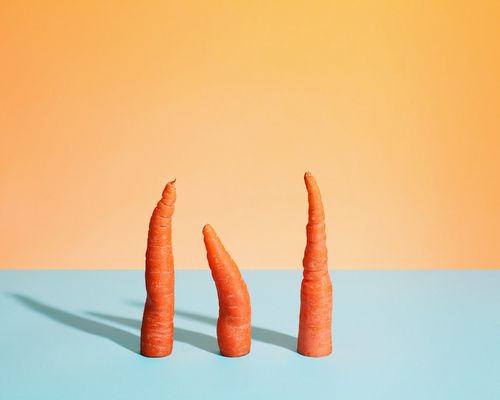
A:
x: 316, y: 353
x: 307, y: 174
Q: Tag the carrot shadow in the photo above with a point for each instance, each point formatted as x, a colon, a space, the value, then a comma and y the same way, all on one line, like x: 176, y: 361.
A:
x: 200, y: 340
x: 123, y: 338
x: 259, y: 334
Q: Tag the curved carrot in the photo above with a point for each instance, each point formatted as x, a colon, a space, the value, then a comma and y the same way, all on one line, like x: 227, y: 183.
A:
x: 316, y: 295
x: 233, y: 325
x: 157, y: 331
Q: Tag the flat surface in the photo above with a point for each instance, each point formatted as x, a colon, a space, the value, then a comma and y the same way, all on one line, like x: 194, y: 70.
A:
x: 397, y: 334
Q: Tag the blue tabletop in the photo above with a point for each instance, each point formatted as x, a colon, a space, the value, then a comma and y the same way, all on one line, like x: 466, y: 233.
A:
x: 397, y: 335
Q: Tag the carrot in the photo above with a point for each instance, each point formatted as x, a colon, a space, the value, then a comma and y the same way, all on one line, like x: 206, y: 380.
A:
x: 233, y: 325
x: 316, y: 295
x: 157, y: 331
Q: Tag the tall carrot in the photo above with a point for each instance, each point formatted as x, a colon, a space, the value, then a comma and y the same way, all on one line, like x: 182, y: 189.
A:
x: 316, y: 295
x: 157, y: 331
x: 233, y: 325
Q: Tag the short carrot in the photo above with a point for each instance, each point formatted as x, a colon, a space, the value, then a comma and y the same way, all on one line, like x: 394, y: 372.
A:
x: 157, y: 331
x: 234, y: 322
x: 316, y: 295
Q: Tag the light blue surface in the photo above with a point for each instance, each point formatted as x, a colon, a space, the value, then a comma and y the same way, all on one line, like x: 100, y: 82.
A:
x: 397, y: 335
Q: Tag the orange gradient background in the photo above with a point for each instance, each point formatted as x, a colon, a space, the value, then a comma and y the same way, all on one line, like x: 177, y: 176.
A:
x: 394, y: 106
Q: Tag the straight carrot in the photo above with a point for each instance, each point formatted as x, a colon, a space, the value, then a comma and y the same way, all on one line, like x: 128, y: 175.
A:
x: 157, y: 331
x: 316, y: 295
x: 234, y: 322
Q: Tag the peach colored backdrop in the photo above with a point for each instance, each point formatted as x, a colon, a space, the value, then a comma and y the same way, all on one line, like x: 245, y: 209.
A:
x: 393, y: 106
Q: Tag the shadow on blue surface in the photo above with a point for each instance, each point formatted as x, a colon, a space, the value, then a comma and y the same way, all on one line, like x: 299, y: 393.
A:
x: 259, y: 334
x: 131, y: 342
x: 196, y: 339
x: 125, y: 339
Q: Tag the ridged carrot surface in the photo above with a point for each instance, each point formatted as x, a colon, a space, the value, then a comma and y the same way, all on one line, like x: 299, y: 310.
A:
x: 157, y: 331
x: 316, y: 295
x: 234, y: 322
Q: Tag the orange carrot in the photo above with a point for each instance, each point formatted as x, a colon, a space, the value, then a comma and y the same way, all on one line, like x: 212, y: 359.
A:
x: 316, y: 295
x: 233, y: 325
x: 157, y: 331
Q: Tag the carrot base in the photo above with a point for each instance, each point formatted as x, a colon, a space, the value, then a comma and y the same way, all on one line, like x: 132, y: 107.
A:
x: 315, y: 323
x: 234, y: 341
x: 316, y: 353
x: 154, y: 353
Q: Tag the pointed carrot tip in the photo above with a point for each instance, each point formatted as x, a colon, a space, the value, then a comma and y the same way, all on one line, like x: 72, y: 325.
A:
x: 207, y: 227
x: 308, y: 177
x: 169, y: 190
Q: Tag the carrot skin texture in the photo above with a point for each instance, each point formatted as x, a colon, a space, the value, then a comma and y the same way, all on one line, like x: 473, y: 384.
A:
x: 157, y: 330
x: 234, y: 322
x: 316, y: 295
